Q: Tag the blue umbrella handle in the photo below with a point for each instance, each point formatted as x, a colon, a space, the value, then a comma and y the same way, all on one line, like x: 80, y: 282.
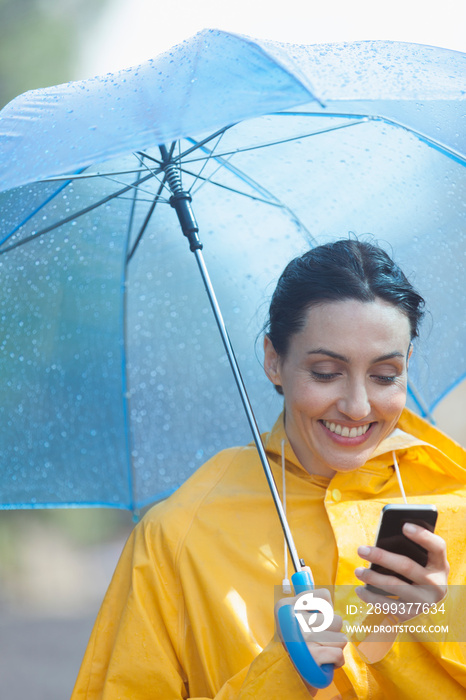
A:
x: 293, y: 640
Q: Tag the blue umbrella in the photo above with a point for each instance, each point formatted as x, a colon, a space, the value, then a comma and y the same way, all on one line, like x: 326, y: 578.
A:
x: 115, y: 382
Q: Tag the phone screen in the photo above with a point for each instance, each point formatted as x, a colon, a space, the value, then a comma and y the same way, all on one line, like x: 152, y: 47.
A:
x: 390, y: 535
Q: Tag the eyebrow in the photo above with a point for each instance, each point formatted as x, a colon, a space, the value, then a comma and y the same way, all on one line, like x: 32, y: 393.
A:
x: 342, y: 358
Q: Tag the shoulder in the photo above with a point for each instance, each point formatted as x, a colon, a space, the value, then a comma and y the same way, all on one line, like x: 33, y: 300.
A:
x: 227, y: 474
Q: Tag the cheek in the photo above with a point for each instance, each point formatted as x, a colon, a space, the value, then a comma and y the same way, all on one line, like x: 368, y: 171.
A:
x: 311, y: 398
x: 392, y: 406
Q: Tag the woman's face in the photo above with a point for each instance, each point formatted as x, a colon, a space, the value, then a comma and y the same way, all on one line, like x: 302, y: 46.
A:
x: 344, y: 381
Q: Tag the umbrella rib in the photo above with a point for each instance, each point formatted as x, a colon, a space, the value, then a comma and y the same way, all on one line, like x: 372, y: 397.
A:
x: 145, y: 222
x: 153, y: 203
x: 205, y: 180
x: 437, y: 145
x: 241, y: 175
x: 33, y: 213
x: 235, y: 191
x: 198, y: 144
x: 277, y: 143
x: 450, y: 152
x: 133, y: 210
x: 269, y: 197
x: 142, y: 157
x: 272, y: 203
x: 198, y: 176
x: 72, y: 217
x: 88, y: 176
x: 124, y: 364
x: 136, y: 185
x: 133, y: 186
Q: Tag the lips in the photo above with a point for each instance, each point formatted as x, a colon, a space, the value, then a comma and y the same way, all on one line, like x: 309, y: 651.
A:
x: 345, y: 431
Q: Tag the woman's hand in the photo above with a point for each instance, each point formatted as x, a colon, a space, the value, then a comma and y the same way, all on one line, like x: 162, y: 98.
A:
x: 326, y: 647
x: 429, y: 583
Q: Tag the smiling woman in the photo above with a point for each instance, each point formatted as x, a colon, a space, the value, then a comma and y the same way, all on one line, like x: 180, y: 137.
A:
x: 344, y: 379
x: 337, y: 346
x: 338, y: 342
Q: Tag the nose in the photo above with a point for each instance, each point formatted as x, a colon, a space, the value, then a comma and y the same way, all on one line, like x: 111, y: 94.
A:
x: 354, y: 402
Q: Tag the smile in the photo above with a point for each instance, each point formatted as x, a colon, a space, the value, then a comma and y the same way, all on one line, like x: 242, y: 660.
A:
x: 344, y: 431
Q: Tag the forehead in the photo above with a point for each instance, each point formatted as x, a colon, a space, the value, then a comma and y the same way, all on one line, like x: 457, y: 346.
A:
x: 359, y: 325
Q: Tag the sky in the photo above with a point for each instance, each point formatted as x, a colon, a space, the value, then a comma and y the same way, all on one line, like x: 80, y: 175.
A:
x: 131, y: 31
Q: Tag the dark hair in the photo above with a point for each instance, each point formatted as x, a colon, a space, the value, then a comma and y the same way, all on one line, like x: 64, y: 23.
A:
x: 347, y: 269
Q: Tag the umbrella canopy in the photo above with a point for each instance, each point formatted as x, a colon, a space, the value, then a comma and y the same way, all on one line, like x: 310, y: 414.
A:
x: 115, y: 382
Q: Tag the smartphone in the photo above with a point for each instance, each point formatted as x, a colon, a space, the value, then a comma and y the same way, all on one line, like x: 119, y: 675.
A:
x: 390, y: 535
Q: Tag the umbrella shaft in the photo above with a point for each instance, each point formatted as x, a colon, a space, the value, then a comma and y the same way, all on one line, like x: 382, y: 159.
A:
x: 181, y: 202
x: 297, y: 563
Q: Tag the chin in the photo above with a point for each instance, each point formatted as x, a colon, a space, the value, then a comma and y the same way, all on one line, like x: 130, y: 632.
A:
x: 350, y: 464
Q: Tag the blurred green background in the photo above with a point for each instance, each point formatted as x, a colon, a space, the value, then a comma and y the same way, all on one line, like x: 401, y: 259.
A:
x: 40, y: 42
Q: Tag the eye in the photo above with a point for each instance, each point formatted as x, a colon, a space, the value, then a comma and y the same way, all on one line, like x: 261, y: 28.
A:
x: 387, y: 373
x: 384, y: 378
x: 324, y: 377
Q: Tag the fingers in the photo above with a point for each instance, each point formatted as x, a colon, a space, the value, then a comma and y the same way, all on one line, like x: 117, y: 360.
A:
x: 323, y: 593
x: 330, y: 635
x: 435, y: 572
x: 435, y: 545
x: 325, y: 645
x: 390, y: 585
x: 327, y: 655
x: 428, y: 582
x: 397, y: 563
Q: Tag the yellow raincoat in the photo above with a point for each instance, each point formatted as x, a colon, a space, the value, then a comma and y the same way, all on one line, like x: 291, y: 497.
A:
x: 189, y: 612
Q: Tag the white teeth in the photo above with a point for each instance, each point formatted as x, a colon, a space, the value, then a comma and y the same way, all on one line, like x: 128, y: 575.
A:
x: 344, y: 431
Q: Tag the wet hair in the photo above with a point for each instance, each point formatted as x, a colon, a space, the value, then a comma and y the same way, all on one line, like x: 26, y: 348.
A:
x: 346, y: 269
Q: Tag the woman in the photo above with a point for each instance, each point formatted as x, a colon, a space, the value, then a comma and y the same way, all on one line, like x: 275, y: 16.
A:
x: 189, y: 611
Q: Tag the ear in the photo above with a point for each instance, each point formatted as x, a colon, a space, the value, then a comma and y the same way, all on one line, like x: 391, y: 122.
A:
x: 410, y: 352
x: 271, y: 362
